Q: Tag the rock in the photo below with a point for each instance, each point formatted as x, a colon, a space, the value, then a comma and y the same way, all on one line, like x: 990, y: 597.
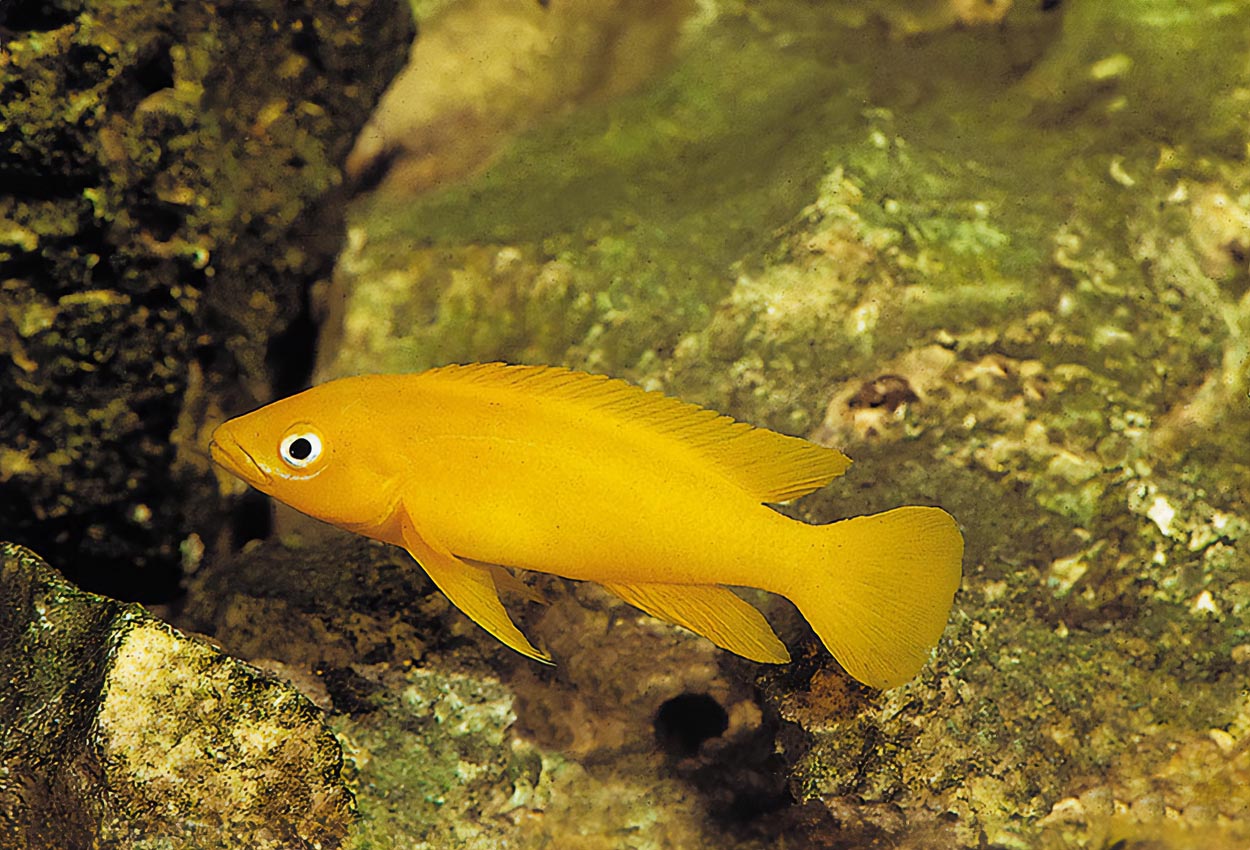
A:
x: 117, y: 730
x: 166, y: 173
x: 1003, y: 268
x: 481, y: 73
x: 452, y: 740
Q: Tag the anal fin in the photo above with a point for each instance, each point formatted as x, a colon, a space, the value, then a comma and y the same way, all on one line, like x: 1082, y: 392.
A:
x: 714, y: 612
x: 470, y: 587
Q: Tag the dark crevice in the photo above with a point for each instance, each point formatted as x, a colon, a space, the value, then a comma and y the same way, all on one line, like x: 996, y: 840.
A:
x: 37, y: 15
x: 307, y: 43
x: 33, y: 183
x: 372, y: 175
x: 350, y: 692
x: 155, y: 73
x: 741, y: 777
x: 251, y: 519
x: 159, y: 219
x: 291, y: 353
x: 86, y: 66
x: 684, y: 722
x: 14, y: 90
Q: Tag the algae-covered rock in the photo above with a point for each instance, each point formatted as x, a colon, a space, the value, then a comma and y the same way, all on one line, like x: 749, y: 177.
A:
x: 481, y: 72
x: 641, y: 729
x: 118, y: 731
x: 1002, y: 267
x: 164, y: 178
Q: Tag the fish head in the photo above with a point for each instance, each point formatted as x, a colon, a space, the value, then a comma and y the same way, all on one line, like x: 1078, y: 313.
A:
x: 310, y: 452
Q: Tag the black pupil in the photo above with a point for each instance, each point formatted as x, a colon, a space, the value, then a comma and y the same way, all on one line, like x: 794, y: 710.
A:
x: 300, y: 448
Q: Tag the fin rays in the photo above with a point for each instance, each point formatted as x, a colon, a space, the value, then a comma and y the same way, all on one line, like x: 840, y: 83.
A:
x: 470, y: 587
x: 771, y: 467
x: 880, y: 593
x: 714, y: 612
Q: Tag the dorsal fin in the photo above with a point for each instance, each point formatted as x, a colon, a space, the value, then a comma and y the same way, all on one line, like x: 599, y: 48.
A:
x: 770, y: 466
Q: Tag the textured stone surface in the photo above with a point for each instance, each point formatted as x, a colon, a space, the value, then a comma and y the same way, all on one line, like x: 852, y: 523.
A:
x: 452, y: 741
x: 164, y: 172
x: 1004, y: 268
x: 117, y: 731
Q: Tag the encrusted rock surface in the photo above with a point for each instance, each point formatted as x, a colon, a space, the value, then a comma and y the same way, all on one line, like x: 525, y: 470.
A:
x: 640, y: 729
x: 164, y: 172
x: 1004, y: 268
x: 996, y: 253
x: 118, y: 731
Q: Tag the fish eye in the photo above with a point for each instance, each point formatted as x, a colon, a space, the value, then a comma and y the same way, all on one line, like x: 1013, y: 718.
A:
x: 300, y: 449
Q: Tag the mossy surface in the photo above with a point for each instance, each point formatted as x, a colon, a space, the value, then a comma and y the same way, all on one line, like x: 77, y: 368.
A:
x: 1004, y: 269
x: 161, y: 171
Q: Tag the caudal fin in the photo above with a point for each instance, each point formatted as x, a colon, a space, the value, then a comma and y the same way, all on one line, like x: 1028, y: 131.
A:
x: 881, y: 592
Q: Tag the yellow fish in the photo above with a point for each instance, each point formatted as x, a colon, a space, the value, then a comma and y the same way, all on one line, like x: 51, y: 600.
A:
x: 474, y: 467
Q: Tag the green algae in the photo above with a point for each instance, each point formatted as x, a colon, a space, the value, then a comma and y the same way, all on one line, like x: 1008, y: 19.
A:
x: 426, y: 758
x: 701, y: 169
x: 1041, y: 231
x: 651, y: 161
x: 691, y: 192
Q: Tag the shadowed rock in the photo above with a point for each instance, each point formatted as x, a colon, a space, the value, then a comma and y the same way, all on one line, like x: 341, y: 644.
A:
x: 116, y: 729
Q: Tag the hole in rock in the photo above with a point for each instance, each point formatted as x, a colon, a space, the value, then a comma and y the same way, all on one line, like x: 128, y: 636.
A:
x: 156, y: 72
x: 684, y: 722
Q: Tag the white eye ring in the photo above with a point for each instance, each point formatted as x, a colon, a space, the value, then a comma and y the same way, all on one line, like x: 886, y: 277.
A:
x: 300, y: 449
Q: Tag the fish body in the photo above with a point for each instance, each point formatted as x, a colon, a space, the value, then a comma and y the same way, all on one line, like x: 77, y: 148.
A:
x: 475, y: 467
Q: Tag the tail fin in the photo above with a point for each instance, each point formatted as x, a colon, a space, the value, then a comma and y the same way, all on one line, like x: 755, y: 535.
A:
x: 881, y: 594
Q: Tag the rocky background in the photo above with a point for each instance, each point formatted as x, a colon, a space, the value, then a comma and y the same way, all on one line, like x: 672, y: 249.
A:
x: 995, y: 252
x: 167, y: 180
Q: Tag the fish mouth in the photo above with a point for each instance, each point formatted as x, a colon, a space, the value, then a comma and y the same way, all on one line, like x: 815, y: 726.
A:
x: 227, y: 453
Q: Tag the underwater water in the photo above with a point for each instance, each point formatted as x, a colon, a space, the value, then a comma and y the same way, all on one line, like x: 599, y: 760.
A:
x: 995, y: 253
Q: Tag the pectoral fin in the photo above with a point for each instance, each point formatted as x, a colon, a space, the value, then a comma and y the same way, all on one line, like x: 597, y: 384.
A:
x: 715, y: 612
x: 506, y: 582
x: 470, y: 587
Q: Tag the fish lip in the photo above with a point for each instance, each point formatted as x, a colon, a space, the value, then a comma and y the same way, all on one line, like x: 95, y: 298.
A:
x: 227, y: 453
